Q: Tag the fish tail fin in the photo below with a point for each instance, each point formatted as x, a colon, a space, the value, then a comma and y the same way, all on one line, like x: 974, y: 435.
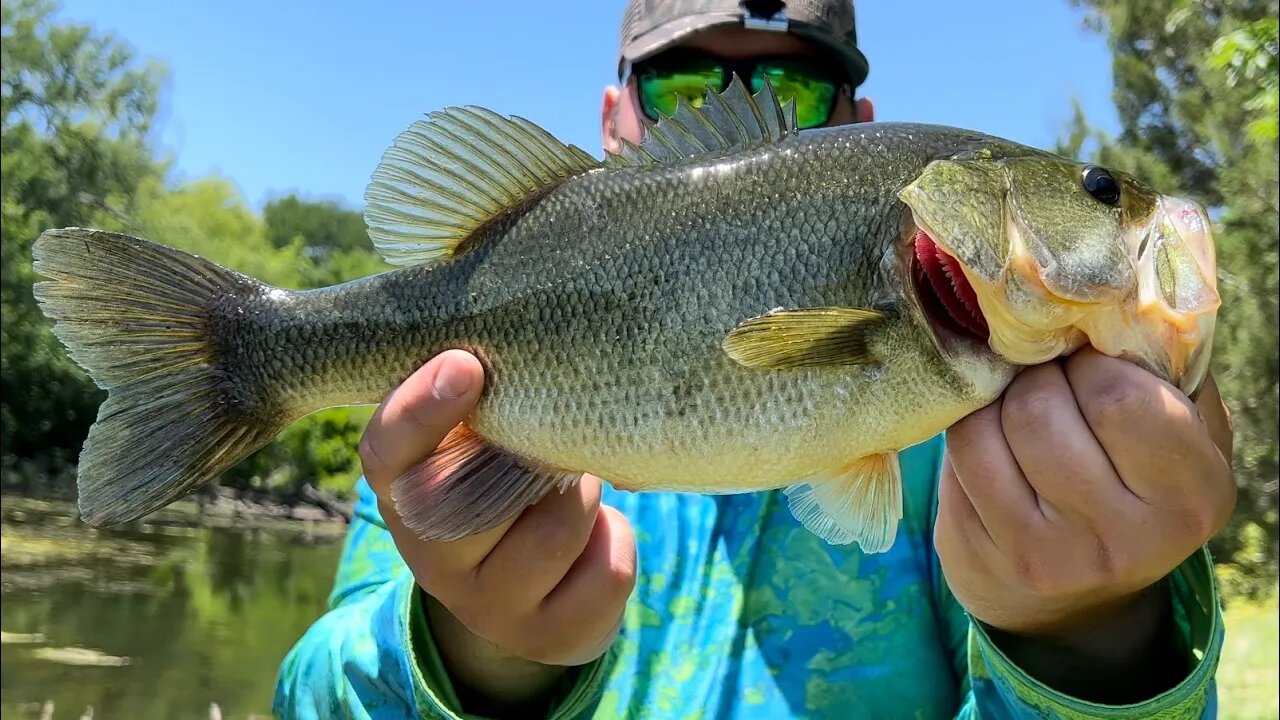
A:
x: 143, y: 320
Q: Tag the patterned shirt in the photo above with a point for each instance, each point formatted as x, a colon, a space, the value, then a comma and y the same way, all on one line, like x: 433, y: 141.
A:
x: 739, y: 613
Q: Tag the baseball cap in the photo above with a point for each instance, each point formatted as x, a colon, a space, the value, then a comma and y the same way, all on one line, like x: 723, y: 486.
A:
x: 650, y: 26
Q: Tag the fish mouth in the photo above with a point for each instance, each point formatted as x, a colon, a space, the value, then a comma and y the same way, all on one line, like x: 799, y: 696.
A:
x: 946, y: 297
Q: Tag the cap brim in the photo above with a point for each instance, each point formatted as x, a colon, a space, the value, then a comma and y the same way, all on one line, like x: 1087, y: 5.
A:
x: 855, y: 63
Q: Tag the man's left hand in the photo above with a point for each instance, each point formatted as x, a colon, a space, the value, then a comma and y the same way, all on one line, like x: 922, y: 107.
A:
x: 1063, y: 502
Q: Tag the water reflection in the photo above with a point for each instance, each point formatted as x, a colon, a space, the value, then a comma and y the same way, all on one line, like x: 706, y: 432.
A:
x: 198, y: 615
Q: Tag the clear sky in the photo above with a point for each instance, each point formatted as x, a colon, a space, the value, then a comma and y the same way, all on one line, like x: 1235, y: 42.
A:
x: 291, y: 96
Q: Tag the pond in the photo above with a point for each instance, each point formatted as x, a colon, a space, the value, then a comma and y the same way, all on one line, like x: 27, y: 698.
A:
x: 160, y: 618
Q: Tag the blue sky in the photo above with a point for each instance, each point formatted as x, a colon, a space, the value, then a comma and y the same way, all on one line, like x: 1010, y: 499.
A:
x: 303, y: 97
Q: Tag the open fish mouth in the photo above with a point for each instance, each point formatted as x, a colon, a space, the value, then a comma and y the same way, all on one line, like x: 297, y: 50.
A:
x: 1160, y: 315
x: 945, y: 294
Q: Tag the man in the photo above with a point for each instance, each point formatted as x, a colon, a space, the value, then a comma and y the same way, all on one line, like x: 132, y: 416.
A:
x: 1050, y: 561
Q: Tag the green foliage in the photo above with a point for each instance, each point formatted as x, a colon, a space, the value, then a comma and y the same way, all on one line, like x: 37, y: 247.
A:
x: 1248, y: 56
x: 207, y: 217
x: 325, y: 226
x: 318, y: 450
x: 77, y: 109
x: 1249, y: 670
x: 336, y: 243
x: 1195, y: 90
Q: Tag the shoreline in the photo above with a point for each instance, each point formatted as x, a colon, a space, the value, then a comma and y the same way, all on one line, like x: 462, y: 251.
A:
x: 52, y: 480
x: 214, y: 506
x: 310, y: 504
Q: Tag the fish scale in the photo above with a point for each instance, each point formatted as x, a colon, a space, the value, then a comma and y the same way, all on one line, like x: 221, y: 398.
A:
x: 726, y: 307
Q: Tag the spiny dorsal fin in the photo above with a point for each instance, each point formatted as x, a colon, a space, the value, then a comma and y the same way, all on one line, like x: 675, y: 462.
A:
x: 447, y: 175
x: 726, y: 120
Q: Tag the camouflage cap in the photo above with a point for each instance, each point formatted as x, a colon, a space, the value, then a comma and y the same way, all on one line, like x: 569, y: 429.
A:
x: 650, y: 26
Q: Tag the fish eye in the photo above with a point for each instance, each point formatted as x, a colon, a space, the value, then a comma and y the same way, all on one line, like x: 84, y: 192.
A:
x: 1102, y: 185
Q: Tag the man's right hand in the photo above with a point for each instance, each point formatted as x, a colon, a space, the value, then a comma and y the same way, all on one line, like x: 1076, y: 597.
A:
x: 510, y: 608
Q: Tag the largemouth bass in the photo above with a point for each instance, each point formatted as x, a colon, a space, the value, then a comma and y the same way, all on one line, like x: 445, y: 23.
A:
x: 730, y: 306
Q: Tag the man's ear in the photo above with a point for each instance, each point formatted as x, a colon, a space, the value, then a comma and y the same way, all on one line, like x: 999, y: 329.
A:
x: 609, y: 119
x: 866, y: 110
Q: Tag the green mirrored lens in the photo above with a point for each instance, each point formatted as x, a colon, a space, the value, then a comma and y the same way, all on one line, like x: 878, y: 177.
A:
x: 812, y: 93
x: 659, y: 90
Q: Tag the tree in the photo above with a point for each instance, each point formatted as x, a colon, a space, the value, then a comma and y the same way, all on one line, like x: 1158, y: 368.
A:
x: 76, y: 110
x: 334, y: 239
x: 324, y: 226
x: 75, y: 113
x: 207, y: 217
x: 1196, y: 95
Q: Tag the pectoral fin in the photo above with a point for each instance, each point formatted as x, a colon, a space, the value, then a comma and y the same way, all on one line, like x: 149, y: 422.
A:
x: 804, y: 338
x: 862, y: 503
x: 468, y: 486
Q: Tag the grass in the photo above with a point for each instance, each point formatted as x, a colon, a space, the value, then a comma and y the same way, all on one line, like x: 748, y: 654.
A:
x: 1249, y: 673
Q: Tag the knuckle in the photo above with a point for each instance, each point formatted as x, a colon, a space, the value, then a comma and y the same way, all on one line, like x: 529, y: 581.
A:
x: 960, y: 441
x: 966, y: 437
x: 1038, y: 577
x: 1118, y: 403
x: 620, y: 580
x: 557, y: 534
x: 1029, y: 408
x: 1110, y: 564
x: 1031, y: 574
x: 1199, y: 522
x: 968, y: 452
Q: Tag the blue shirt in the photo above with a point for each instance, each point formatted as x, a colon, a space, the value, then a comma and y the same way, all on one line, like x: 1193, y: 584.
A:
x: 739, y: 613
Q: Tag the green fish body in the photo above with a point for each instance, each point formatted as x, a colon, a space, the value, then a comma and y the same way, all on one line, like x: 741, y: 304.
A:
x: 731, y: 306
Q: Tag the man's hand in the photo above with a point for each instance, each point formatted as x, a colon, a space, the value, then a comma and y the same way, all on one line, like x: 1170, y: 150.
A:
x: 512, y: 607
x: 1063, y: 505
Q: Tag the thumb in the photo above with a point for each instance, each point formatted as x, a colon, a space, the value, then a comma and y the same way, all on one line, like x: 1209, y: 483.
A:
x: 416, y: 416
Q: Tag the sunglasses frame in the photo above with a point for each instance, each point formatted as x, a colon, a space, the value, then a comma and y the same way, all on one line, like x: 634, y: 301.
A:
x: 728, y: 67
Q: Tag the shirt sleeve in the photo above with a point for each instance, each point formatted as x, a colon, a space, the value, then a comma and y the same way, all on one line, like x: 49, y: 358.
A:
x: 993, y: 686
x: 1002, y: 689
x: 371, y: 655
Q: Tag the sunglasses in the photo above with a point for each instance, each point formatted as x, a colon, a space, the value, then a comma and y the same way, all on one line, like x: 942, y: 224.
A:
x: 662, y: 80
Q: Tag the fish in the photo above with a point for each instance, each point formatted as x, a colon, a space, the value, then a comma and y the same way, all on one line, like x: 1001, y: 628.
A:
x: 729, y: 305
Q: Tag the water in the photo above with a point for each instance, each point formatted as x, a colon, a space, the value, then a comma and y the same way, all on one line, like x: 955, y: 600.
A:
x: 157, y: 619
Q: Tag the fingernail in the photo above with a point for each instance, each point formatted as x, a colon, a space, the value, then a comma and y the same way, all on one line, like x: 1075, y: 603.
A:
x: 451, y: 382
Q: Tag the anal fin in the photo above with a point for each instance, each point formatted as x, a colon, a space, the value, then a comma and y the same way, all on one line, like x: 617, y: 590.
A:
x: 861, y: 502
x: 468, y: 486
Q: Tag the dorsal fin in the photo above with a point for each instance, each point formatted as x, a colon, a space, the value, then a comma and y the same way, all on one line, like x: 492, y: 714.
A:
x: 727, y: 120
x: 449, y: 174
